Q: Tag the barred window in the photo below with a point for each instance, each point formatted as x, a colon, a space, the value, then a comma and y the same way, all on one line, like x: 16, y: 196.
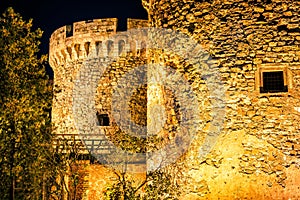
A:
x: 273, y: 81
x: 273, y: 78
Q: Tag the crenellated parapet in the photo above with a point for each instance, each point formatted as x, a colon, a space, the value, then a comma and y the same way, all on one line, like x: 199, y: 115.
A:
x: 72, y: 42
x: 137, y: 23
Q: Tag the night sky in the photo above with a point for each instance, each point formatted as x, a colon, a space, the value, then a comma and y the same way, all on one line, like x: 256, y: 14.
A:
x: 50, y: 15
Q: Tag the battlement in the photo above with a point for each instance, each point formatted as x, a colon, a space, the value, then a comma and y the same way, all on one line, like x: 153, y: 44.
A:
x: 76, y: 41
x: 137, y: 23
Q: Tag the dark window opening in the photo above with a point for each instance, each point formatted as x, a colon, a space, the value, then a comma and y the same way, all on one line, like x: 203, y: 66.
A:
x: 77, y: 49
x: 87, y: 47
x: 69, y: 50
x: 110, y: 45
x: 103, y: 119
x: 121, y: 46
x: 98, y: 46
x: 273, y: 82
x: 69, y: 30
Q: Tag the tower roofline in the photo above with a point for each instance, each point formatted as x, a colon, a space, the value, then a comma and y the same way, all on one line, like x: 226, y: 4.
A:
x: 74, y: 41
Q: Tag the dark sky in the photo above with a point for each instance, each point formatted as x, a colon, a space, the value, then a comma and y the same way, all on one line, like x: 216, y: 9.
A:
x: 52, y: 14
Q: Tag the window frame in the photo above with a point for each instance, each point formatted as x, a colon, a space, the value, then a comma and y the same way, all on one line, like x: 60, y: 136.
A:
x: 104, y: 118
x: 287, y: 77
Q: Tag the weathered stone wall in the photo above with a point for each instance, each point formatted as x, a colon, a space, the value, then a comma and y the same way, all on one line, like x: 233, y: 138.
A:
x: 70, y: 47
x: 89, y: 181
x: 257, y: 155
x: 137, y: 23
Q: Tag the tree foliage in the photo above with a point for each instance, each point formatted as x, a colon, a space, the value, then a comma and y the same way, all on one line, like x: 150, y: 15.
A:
x: 159, y: 184
x: 25, y: 103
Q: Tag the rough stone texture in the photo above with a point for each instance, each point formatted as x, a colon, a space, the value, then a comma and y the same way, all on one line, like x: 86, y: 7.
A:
x: 95, y: 178
x: 69, y: 49
x: 66, y: 56
x: 257, y: 156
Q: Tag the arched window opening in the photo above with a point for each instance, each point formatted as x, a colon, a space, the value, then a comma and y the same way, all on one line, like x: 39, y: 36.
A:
x: 77, y: 49
x: 121, y: 46
x: 69, y: 50
x: 87, y: 48
x: 110, y: 45
x: 98, y: 45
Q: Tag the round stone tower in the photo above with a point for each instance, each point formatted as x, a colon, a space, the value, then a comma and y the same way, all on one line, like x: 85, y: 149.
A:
x: 255, y: 47
x: 69, y: 47
x: 255, y: 44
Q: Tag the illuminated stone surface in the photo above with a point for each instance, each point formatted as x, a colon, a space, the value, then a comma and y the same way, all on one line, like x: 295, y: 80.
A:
x: 257, y: 154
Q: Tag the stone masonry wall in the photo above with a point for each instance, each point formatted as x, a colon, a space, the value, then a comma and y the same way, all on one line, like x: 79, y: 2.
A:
x: 257, y: 154
x: 70, y: 47
x: 67, y: 52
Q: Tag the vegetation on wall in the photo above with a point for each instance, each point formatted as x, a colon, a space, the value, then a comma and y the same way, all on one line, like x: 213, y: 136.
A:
x: 159, y: 184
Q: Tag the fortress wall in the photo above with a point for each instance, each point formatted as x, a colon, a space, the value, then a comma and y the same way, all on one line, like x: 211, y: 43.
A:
x: 68, y: 51
x: 257, y: 155
x: 68, y: 41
